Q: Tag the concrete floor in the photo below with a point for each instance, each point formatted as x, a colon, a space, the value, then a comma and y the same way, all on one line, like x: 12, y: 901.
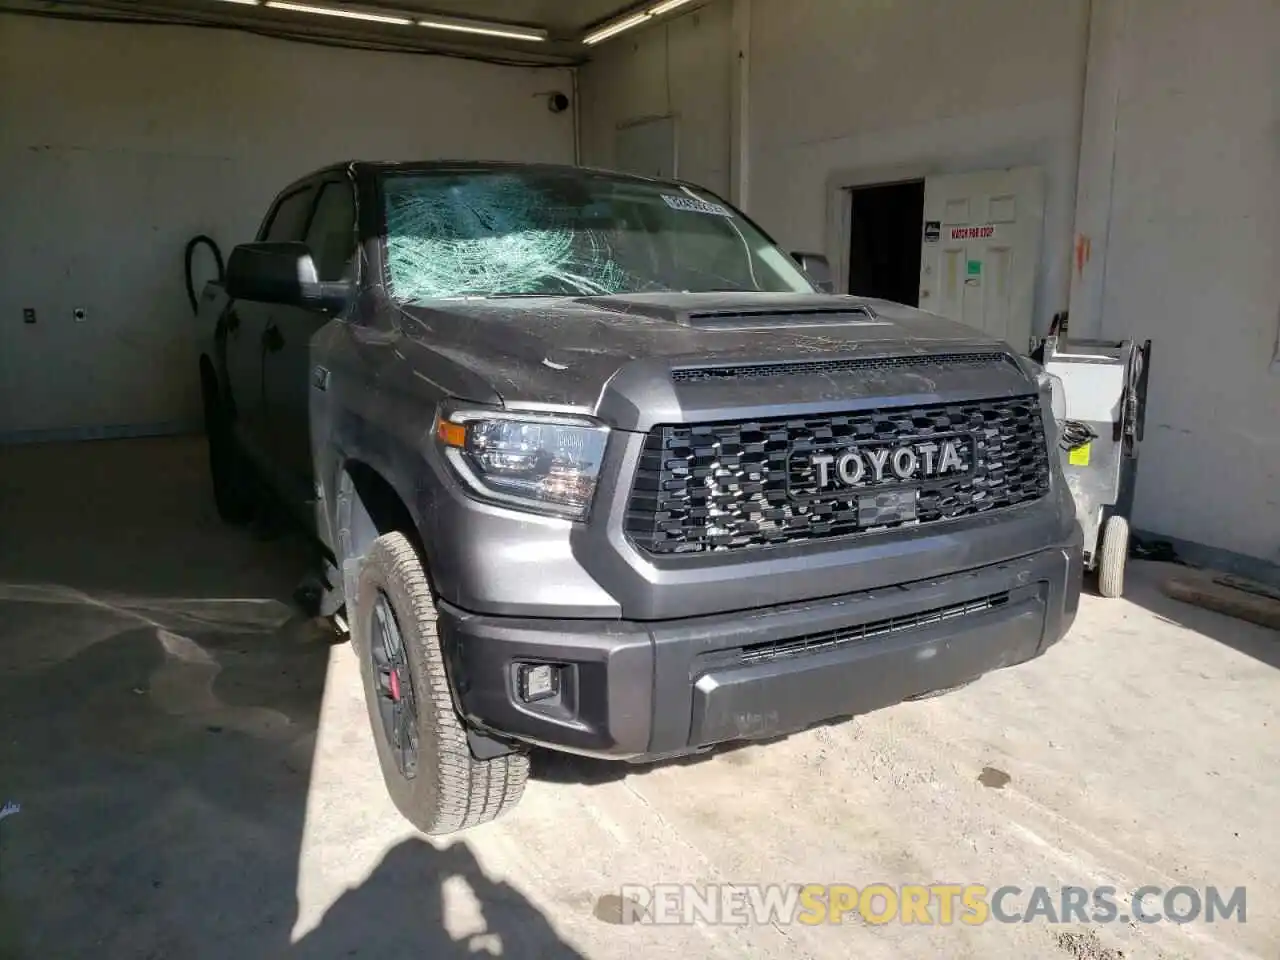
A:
x: 197, y: 776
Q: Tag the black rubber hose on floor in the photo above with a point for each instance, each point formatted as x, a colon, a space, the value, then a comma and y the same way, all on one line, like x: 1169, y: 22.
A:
x: 1076, y: 434
x: 190, y: 251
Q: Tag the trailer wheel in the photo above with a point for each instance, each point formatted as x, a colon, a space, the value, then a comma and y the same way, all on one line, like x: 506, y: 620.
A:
x: 1115, y: 550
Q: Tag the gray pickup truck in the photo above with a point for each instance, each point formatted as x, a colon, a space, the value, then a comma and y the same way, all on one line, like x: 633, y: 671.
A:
x: 597, y: 467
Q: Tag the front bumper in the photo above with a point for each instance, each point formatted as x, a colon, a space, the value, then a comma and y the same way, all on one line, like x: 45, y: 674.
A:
x: 640, y: 690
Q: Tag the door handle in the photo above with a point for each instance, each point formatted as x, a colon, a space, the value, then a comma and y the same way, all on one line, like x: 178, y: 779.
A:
x: 271, y: 339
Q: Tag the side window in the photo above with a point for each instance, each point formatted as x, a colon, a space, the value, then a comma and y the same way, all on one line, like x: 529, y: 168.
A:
x: 332, y: 234
x: 289, y: 219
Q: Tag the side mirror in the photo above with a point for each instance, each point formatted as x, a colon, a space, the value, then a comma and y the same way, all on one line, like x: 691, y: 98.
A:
x: 281, y: 273
x: 818, y: 269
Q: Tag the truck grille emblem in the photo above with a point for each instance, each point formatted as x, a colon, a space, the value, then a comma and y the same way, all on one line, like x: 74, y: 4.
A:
x: 862, y: 466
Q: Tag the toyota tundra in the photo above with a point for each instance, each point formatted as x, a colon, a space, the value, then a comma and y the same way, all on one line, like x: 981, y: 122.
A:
x: 597, y: 467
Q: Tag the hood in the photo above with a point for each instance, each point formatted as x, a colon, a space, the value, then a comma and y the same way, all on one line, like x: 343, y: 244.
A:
x: 564, y: 352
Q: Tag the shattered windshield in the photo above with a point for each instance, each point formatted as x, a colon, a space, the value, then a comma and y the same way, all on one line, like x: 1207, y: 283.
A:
x: 567, y: 233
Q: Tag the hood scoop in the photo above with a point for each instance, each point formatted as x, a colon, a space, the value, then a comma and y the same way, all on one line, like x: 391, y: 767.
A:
x: 739, y: 311
x: 748, y: 318
x: 808, y: 368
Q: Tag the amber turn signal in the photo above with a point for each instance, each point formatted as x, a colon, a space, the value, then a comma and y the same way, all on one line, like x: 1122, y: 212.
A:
x: 451, y: 434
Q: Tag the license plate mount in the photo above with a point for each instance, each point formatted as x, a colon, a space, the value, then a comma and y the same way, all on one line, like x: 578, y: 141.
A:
x: 894, y: 505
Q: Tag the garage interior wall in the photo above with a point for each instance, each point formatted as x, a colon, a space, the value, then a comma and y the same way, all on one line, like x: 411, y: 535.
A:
x: 680, y: 68
x: 1192, y: 260
x: 858, y: 92
x: 122, y: 142
x: 867, y: 91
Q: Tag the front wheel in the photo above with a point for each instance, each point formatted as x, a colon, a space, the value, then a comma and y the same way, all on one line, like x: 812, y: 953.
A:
x: 426, y: 761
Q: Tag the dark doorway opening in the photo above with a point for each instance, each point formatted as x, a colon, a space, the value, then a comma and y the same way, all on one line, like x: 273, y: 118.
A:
x: 884, y: 242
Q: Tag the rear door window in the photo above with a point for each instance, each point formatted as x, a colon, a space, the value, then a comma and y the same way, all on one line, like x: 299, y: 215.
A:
x: 331, y: 237
x: 288, y: 221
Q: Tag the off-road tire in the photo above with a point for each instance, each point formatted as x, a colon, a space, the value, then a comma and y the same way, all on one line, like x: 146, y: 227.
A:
x: 1112, y: 556
x: 228, y: 469
x: 451, y: 790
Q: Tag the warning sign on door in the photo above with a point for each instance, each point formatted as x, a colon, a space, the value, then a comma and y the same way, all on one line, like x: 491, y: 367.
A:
x: 973, y: 233
x: 932, y: 231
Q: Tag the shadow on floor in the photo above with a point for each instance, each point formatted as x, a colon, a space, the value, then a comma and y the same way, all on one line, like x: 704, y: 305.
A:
x: 159, y: 698
x: 1142, y: 587
x: 400, y: 912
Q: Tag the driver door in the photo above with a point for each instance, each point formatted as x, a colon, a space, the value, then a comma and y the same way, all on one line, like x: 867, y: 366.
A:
x: 290, y: 373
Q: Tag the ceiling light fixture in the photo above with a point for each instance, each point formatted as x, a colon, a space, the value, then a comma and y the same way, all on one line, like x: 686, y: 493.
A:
x: 666, y: 7
x: 509, y: 31
x: 613, y: 29
x: 336, y: 12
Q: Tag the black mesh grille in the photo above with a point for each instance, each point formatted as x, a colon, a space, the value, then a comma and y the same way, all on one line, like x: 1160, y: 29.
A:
x: 860, y: 364
x: 813, y: 642
x: 726, y: 486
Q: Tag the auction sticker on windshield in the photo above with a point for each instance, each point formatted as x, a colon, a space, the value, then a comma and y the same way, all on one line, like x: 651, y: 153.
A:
x: 695, y: 205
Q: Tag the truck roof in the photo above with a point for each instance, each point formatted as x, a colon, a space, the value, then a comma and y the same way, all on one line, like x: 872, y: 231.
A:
x: 412, y: 166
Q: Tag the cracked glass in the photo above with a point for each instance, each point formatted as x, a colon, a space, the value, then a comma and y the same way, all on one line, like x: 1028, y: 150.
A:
x: 545, y: 232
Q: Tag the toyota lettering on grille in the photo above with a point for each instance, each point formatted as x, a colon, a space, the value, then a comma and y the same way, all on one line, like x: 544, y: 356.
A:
x: 863, y: 466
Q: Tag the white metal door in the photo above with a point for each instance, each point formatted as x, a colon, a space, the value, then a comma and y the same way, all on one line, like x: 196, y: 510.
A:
x: 981, y: 249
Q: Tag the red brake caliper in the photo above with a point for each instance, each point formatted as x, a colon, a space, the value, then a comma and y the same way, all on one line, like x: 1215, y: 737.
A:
x: 395, y: 685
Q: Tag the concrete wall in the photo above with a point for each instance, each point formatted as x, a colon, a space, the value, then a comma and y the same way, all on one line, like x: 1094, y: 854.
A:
x: 118, y: 143
x: 680, y: 67
x: 1193, y: 260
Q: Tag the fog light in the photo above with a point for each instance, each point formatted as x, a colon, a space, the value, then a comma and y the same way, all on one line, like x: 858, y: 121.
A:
x: 538, y: 681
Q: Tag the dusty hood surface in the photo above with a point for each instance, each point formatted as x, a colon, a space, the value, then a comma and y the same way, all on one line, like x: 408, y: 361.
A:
x: 565, y: 351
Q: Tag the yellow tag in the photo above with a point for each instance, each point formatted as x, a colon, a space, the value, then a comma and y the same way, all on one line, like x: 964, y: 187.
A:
x: 1079, y: 457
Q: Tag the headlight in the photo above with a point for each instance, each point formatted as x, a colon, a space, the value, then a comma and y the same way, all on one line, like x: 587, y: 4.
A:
x: 547, y: 464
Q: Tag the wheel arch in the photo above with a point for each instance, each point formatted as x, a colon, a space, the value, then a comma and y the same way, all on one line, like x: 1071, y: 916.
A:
x: 367, y: 506
x: 214, y: 385
x: 209, y: 383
